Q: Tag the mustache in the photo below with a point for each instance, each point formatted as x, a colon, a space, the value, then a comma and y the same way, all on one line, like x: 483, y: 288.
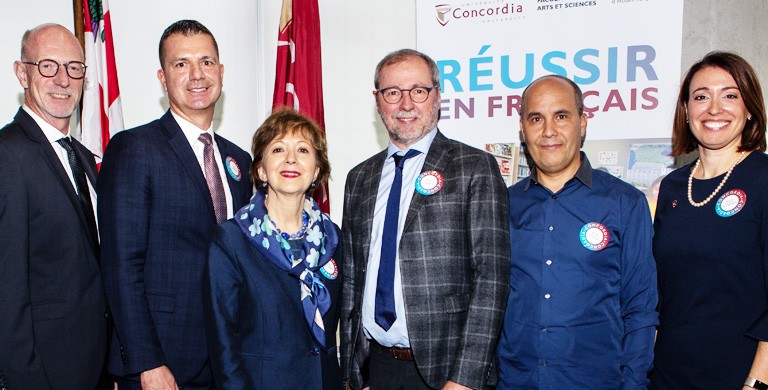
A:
x: 407, y: 115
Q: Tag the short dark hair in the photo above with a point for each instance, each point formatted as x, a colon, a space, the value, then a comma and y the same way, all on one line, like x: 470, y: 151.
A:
x: 753, y: 134
x: 284, y: 121
x: 402, y: 55
x: 577, y: 94
x: 187, y: 28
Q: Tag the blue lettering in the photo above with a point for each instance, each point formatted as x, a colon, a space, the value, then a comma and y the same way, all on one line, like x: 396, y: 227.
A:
x: 633, y: 62
x: 511, y: 84
x: 612, y: 66
x: 546, y: 62
x: 450, y: 75
x: 475, y: 73
x: 580, y: 63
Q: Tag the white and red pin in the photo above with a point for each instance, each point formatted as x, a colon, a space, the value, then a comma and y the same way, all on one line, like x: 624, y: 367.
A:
x: 731, y: 203
x: 429, y: 182
x: 330, y: 270
x: 233, y: 169
x: 594, y: 236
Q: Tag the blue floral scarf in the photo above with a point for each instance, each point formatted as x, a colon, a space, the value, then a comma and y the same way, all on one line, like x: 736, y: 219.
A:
x: 318, y: 245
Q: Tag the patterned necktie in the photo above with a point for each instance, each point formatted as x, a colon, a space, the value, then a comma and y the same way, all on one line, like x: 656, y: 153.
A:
x: 214, y: 179
x: 81, y: 185
x: 385, y: 284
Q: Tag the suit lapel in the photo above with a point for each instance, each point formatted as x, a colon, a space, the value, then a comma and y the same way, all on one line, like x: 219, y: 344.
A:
x: 35, y: 134
x: 289, y: 285
x: 437, y: 159
x: 370, y: 190
x: 183, y: 150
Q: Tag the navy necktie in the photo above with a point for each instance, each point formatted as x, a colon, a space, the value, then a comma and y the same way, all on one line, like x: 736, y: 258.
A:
x: 385, y: 296
x: 81, y: 185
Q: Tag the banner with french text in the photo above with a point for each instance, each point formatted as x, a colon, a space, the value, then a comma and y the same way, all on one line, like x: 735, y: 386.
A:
x: 624, y: 54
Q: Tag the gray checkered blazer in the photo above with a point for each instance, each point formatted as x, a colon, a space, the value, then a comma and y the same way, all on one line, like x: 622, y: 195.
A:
x: 454, y: 261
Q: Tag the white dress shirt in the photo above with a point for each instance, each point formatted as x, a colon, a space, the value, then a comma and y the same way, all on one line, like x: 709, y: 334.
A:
x: 192, y: 133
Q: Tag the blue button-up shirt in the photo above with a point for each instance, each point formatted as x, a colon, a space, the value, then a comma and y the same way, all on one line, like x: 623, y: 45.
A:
x: 581, y: 312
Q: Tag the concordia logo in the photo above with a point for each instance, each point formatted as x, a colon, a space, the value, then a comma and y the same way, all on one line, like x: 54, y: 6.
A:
x: 442, y: 11
x: 479, y: 11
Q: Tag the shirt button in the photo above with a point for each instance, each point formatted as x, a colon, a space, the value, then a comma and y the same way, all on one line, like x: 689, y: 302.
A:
x: 315, y: 351
x: 543, y: 330
x: 543, y: 362
x: 549, y: 262
x: 551, y: 228
x: 546, y: 296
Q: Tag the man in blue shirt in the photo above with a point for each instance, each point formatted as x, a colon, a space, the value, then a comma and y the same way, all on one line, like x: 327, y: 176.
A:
x: 581, y: 309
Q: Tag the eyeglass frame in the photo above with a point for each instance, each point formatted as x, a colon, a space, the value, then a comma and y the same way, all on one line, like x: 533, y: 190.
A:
x: 58, y: 65
x: 429, y: 90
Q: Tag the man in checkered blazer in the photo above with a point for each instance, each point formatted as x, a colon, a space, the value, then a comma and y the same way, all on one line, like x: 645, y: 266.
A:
x: 450, y: 252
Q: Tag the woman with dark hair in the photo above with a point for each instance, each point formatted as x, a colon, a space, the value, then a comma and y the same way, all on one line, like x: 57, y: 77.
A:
x: 272, y: 283
x: 711, y: 235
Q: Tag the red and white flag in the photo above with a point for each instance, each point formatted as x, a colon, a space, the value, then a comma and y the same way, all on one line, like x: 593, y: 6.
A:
x: 299, y: 72
x: 102, y: 114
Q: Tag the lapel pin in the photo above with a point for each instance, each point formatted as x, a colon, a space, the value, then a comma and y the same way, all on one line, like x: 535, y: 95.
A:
x: 233, y: 169
x: 429, y: 182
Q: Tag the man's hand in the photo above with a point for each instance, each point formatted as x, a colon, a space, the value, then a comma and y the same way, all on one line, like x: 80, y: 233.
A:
x: 454, y: 386
x: 159, y: 378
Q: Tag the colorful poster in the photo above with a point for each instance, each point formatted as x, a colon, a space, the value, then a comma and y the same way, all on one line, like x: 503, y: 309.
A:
x: 624, y: 54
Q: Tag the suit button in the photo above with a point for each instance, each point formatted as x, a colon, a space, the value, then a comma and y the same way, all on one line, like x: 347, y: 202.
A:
x: 106, y: 314
x: 315, y: 351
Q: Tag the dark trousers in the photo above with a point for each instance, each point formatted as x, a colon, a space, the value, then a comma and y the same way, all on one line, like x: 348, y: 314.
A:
x: 388, y: 373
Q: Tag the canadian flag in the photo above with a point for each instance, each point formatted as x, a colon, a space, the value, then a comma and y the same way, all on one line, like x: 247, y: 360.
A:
x: 102, y: 114
x: 299, y: 72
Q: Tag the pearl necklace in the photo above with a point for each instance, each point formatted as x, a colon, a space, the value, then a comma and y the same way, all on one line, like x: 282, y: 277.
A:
x: 719, y: 186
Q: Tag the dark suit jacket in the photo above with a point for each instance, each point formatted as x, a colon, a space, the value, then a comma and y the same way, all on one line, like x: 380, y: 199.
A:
x: 457, y: 239
x: 53, y: 322
x: 156, y: 219
x: 257, y: 334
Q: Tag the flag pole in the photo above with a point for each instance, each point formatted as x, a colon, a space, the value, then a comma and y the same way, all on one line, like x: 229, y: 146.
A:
x: 77, y: 6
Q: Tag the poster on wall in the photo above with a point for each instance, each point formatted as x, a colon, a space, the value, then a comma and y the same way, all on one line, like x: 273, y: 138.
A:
x: 624, y: 55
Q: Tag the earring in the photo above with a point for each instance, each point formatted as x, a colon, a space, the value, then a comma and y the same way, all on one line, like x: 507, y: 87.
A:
x: 264, y: 184
x: 686, y: 120
x: 313, y: 185
x: 749, y: 117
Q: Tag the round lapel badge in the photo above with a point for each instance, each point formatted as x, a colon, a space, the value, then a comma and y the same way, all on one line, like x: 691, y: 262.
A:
x: 233, y: 169
x: 730, y: 203
x: 330, y: 270
x: 594, y: 236
x: 429, y: 182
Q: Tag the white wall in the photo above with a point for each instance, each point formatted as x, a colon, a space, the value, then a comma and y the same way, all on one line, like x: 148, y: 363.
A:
x: 353, y: 41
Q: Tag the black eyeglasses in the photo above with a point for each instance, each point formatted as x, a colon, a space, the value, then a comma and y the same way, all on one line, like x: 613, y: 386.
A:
x: 393, y: 95
x: 49, y: 68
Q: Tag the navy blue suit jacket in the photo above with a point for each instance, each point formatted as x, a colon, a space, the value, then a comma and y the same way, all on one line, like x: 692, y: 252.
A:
x: 53, y: 322
x: 257, y: 333
x: 156, y: 219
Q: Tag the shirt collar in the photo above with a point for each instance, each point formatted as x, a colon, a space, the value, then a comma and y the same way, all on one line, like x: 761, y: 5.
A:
x: 191, y: 131
x: 51, y: 133
x: 421, y: 145
x: 584, y: 174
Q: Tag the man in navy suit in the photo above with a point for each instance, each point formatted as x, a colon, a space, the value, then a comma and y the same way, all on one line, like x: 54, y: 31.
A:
x: 163, y: 187
x: 53, y: 314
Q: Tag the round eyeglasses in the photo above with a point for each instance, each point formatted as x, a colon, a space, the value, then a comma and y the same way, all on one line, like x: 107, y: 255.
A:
x: 49, y: 68
x: 393, y: 95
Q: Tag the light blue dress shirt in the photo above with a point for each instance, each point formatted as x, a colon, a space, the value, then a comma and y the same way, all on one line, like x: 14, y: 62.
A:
x: 397, y: 335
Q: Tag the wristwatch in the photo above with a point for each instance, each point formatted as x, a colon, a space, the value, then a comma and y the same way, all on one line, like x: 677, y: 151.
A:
x: 755, y: 384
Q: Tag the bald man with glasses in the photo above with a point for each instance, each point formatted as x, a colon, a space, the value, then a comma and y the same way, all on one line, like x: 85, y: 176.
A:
x: 53, y: 313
